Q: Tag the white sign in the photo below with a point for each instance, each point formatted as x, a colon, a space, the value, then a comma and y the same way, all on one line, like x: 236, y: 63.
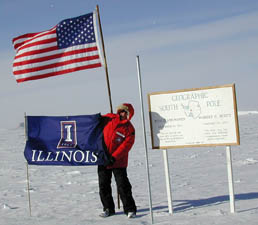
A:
x: 194, y: 117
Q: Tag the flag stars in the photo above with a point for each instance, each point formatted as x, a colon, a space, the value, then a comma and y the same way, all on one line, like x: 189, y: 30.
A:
x: 75, y: 31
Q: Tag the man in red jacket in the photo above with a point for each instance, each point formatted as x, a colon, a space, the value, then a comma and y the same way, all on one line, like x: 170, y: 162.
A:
x: 119, y: 136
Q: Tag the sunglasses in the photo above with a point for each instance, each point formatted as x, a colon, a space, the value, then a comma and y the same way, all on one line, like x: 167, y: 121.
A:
x: 122, y: 111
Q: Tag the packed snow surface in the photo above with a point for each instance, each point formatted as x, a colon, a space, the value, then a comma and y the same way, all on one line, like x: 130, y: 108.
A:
x: 199, y: 182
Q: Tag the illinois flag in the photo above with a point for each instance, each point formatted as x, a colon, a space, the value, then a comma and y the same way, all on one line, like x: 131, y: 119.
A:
x: 67, y: 141
x: 71, y: 45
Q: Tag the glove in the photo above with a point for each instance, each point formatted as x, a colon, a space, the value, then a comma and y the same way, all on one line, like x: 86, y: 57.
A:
x: 110, y: 161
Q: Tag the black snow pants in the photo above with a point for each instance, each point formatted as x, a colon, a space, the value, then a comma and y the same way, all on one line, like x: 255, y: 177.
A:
x: 123, y: 186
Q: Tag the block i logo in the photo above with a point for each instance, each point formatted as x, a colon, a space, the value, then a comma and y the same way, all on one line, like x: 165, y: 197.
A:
x: 68, y: 134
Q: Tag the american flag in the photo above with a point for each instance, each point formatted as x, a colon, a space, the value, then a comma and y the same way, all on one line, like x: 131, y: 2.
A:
x: 70, y: 46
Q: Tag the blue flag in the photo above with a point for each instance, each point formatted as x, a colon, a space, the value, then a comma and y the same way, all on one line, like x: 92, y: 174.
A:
x: 65, y: 140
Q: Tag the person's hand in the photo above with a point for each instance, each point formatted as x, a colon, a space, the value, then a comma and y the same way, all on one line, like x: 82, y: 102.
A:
x: 110, y: 161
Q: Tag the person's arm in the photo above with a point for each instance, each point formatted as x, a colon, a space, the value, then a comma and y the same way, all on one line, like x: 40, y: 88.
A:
x: 125, y: 147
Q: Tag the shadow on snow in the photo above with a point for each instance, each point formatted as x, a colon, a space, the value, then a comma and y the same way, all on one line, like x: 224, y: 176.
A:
x: 184, y: 205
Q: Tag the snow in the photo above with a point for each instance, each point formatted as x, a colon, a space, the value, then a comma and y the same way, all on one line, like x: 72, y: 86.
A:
x: 244, y: 113
x: 69, y: 195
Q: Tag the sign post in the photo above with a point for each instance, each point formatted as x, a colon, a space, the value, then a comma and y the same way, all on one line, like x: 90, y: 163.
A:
x: 230, y: 180
x: 169, y: 193
x: 198, y: 117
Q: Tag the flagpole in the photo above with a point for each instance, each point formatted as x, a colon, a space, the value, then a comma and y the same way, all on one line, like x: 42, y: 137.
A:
x: 27, y: 165
x: 144, y: 134
x: 105, y: 59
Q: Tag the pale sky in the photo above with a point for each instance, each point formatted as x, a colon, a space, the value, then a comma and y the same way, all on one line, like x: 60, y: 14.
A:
x: 182, y: 44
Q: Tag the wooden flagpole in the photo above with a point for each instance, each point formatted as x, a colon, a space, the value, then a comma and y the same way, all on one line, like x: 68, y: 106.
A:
x: 28, y: 186
x: 107, y: 78
x: 105, y: 59
x: 27, y: 165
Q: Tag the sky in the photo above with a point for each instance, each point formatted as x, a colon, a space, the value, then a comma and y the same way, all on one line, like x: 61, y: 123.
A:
x: 181, y: 44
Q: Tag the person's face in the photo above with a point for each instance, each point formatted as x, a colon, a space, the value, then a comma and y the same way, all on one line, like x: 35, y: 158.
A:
x: 123, y: 115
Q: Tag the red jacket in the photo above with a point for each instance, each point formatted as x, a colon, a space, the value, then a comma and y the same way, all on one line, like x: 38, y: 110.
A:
x: 119, y: 136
